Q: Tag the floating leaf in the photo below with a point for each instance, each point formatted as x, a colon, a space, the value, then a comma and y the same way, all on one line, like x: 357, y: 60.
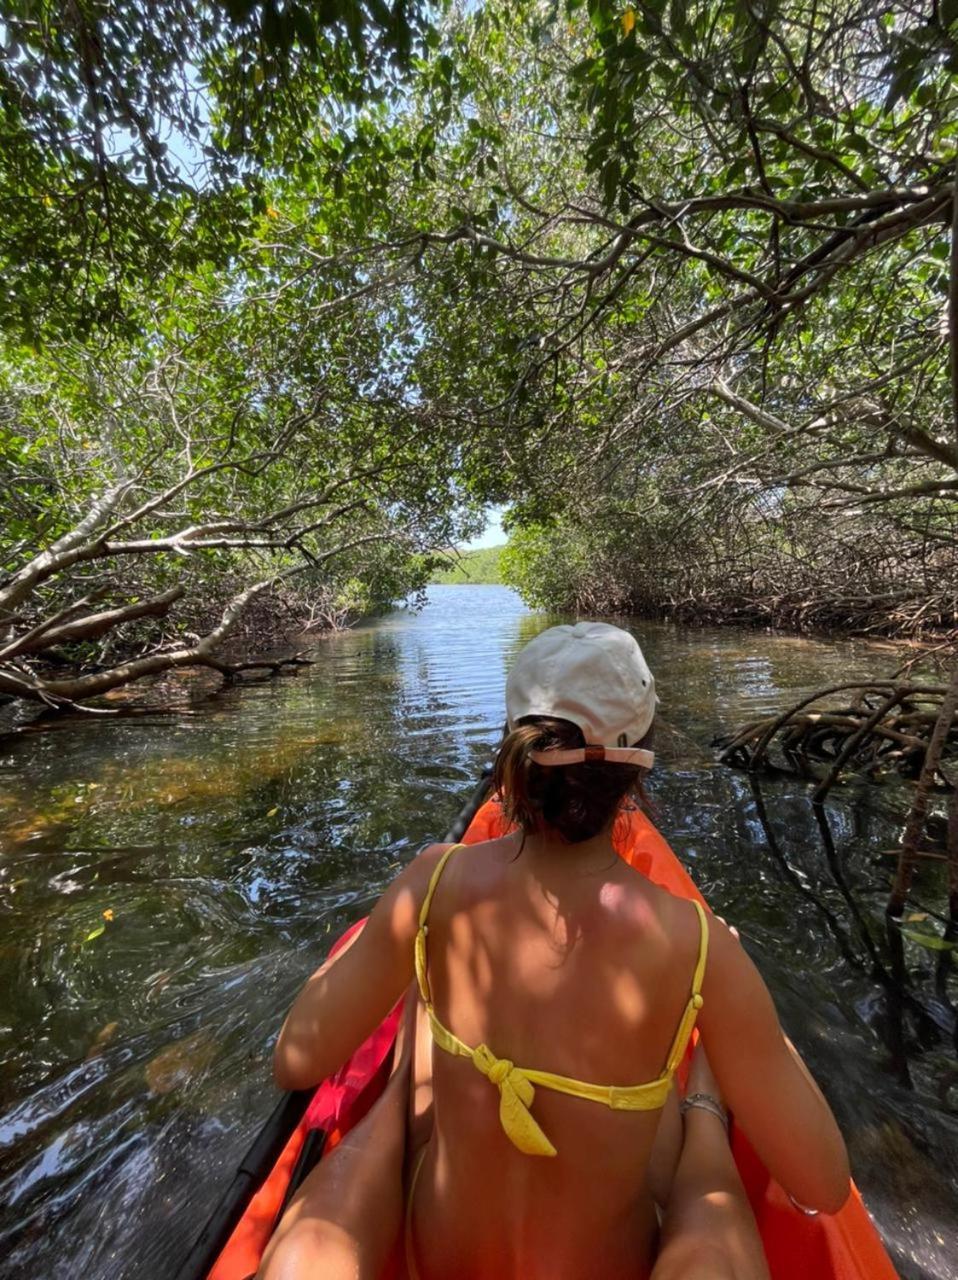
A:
x: 916, y: 917
x: 95, y: 933
x: 108, y: 914
x: 273, y: 812
x: 929, y: 940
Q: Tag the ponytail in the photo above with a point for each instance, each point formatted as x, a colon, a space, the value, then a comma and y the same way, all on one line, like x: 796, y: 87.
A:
x: 574, y: 801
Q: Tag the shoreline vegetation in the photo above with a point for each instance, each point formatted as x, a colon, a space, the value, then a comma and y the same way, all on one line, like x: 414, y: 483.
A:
x: 680, y: 298
x: 478, y: 567
x: 767, y: 583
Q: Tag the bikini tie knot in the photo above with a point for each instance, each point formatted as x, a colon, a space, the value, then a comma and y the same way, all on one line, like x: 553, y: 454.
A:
x: 500, y: 1069
x: 516, y: 1093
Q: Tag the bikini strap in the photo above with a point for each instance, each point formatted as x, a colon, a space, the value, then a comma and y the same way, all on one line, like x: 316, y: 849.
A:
x: 421, y: 976
x: 695, y: 1002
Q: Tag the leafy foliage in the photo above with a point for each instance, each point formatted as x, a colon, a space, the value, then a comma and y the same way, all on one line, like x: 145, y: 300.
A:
x: 735, y: 398
x: 138, y: 136
x: 676, y: 281
x: 246, y: 443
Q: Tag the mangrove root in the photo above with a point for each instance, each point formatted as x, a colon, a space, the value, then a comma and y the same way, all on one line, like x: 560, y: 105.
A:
x: 881, y: 725
x: 915, y: 823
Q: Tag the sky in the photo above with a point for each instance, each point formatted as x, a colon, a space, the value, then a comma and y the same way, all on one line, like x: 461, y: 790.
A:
x: 492, y: 535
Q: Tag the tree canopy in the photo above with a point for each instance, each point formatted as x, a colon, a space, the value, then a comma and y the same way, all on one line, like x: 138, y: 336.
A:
x: 292, y: 288
x: 136, y: 136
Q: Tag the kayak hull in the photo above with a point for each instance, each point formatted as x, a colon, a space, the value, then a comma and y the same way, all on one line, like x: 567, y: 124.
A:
x: 841, y: 1246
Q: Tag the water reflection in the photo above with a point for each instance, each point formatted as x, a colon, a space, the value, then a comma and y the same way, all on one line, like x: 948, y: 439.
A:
x: 230, y: 843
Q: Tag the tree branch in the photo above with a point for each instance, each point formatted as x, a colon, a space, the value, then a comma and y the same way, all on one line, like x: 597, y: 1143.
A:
x: 94, y: 625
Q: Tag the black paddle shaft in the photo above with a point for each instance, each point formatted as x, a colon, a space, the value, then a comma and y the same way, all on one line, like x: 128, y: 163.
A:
x: 282, y: 1123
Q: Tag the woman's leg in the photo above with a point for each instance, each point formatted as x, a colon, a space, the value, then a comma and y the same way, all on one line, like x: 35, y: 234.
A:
x: 346, y: 1218
x: 708, y: 1231
x: 420, y: 1083
x: 666, y: 1151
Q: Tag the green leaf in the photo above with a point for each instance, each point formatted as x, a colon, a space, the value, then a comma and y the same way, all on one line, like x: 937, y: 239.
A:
x: 95, y: 933
x: 445, y: 68
x: 929, y: 940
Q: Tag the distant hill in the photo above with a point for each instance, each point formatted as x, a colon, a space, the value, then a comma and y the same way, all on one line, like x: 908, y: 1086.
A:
x: 473, y: 567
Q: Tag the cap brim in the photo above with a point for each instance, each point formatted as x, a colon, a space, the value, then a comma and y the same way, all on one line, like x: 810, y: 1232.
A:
x: 595, y: 755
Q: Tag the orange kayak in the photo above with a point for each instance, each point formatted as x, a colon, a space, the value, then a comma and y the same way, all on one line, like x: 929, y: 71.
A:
x: 842, y: 1246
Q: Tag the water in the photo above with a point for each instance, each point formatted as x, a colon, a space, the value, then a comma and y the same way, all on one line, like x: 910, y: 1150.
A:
x: 233, y: 840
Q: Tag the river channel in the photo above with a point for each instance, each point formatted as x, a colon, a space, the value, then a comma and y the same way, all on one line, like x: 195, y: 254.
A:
x: 167, y: 881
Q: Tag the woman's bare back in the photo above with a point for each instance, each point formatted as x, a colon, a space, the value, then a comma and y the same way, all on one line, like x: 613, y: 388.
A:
x: 566, y: 961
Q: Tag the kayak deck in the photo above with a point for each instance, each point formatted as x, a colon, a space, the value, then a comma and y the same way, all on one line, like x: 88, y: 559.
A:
x: 841, y: 1246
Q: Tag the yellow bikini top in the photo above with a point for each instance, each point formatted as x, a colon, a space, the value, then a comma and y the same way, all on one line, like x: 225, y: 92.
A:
x: 516, y: 1084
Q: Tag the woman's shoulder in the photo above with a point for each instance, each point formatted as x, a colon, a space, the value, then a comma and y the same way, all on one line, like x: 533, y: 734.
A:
x: 399, y: 907
x: 462, y: 864
x: 640, y: 908
x: 421, y: 869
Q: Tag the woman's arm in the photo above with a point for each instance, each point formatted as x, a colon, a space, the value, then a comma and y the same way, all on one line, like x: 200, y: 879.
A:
x: 765, y: 1082
x: 346, y: 998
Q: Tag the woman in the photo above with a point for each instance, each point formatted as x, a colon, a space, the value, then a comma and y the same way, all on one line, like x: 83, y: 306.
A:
x: 560, y: 988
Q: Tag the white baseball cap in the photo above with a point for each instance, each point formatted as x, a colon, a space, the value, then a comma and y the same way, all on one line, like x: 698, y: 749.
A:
x: 594, y: 675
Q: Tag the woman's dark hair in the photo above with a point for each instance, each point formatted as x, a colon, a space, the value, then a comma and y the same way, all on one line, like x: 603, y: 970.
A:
x: 577, y: 801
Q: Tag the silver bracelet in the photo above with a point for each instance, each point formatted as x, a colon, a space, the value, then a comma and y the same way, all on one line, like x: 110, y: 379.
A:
x: 705, y: 1102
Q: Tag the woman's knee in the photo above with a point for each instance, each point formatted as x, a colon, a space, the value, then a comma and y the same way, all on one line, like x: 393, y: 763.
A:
x: 311, y: 1247
x: 693, y: 1260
